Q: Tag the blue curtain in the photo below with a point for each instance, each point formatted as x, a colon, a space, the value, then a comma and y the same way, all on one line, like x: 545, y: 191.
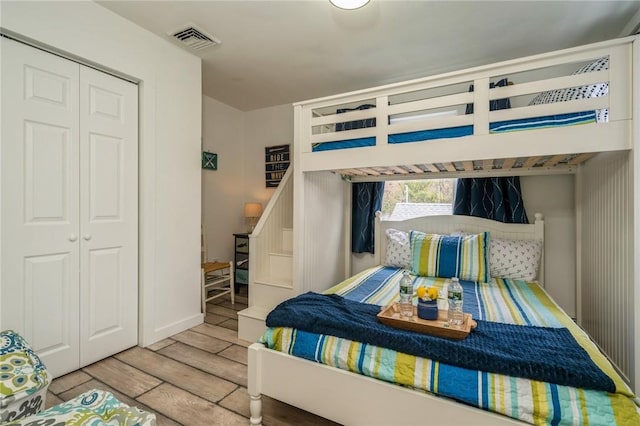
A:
x: 497, y: 198
x: 366, y: 201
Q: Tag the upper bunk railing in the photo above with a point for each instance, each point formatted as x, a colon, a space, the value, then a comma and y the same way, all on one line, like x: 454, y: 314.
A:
x: 442, y: 102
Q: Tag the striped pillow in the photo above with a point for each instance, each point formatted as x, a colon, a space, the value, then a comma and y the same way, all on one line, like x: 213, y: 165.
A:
x: 462, y: 256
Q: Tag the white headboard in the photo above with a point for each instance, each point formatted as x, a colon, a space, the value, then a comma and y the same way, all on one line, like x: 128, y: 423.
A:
x: 447, y: 224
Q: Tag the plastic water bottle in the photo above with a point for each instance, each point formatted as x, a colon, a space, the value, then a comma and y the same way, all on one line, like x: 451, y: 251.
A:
x: 443, y: 296
x: 406, y: 295
x: 454, y: 294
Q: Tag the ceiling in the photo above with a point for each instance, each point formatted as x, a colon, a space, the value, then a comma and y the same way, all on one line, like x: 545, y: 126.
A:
x: 279, y: 52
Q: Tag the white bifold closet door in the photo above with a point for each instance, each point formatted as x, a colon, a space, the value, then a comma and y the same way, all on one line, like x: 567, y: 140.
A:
x: 69, y: 208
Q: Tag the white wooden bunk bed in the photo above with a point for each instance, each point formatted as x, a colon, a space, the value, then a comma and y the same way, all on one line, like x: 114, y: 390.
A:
x: 413, y: 110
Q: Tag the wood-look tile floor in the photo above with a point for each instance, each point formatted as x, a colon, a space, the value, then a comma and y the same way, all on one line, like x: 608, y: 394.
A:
x: 197, y: 377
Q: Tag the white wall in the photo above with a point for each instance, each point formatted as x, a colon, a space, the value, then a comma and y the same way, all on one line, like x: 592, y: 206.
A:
x: 554, y: 197
x: 606, y: 259
x: 265, y: 127
x: 320, y: 247
x: 239, y: 139
x: 222, y: 190
x: 169, y: 143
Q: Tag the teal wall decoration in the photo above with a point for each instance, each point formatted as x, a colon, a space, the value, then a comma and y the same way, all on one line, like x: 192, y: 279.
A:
x: 209, y: 160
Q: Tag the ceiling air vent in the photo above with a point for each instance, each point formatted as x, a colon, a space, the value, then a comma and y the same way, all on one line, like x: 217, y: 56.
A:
x: 194, y: 37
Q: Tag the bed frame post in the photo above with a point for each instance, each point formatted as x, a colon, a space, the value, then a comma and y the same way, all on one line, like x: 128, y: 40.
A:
x: 255, y: 407
x: 377, y: 242
x: 480, y: 106
x: 254, y: 384
x: 539, y: 235
x: 635, y: 368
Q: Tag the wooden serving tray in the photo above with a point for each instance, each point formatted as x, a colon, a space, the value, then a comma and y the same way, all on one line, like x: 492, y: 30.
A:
x: 390, y: 315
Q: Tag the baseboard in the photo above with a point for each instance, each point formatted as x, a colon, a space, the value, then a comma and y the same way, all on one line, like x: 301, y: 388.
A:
x: 173, y: 328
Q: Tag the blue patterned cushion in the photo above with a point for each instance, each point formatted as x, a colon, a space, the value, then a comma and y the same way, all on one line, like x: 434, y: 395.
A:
x: 23, y: 378
x: 94, y: 407
x: 462, y: 256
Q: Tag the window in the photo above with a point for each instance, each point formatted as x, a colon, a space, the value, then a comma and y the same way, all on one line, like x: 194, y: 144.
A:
x: 415, y: 198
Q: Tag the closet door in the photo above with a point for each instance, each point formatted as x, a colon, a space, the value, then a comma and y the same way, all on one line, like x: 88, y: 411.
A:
x: 108, y: 215
x: 40, y: 228
x: 69, y: 250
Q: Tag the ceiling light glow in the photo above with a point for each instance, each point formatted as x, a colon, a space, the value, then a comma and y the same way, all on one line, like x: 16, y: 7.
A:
x: 349, y: 4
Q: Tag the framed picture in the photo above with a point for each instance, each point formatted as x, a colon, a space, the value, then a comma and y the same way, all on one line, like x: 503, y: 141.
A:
x: 209, y: 160
x: 276, y: 163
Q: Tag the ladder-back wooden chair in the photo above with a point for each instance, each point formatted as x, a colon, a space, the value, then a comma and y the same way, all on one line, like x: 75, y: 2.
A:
x: 217, y: 277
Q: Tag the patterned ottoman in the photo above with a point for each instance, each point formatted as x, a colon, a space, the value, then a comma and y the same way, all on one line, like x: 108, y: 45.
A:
x: 94, y: 407
x: 23, y: 378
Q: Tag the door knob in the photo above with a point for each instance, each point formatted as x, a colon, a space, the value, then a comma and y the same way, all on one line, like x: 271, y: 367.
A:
x: 87, y: 237
x: 73, y: 237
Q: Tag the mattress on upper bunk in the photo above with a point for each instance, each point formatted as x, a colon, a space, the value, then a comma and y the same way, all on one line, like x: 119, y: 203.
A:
x: 547, y: 121
x: 534, y: 123
x: 504, y: 302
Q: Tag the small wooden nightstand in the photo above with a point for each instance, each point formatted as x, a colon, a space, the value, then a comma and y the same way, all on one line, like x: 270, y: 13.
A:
x: 241, y: 260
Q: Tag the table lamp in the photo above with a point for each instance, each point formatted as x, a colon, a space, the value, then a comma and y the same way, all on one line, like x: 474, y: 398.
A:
x: 252, y: 212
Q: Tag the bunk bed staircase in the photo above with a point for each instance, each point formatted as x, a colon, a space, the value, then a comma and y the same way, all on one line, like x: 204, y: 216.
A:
x: 271, y: 261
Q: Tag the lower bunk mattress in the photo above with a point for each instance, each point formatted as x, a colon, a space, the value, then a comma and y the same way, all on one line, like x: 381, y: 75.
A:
x: 432, y: 368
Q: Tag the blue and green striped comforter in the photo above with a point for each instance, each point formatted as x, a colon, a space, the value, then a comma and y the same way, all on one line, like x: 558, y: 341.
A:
x: 505, y: 301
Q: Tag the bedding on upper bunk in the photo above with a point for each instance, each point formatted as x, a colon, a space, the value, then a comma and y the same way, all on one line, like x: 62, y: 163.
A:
x: 506, y: 303
x: 529, y: 123
x: 547, y: 121
x: 542, y: 122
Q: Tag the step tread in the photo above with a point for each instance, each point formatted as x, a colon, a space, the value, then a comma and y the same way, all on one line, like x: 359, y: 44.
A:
x: 275, y: 282
x: 257, y: 312
x: 281, y: 253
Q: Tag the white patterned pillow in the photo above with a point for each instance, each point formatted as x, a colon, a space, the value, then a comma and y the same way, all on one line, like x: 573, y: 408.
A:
x: 398, y: 252
x: 588, y: 91
x: 515, y: 258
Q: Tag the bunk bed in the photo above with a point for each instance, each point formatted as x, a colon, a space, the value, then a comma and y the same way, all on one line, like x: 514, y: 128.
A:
x: 566, y: 107
x: 420, y: 128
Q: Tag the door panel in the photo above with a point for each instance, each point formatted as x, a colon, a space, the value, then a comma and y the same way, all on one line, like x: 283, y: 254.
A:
x: 45, y: 173
x: 106, y: 179
x: 44, y: 85
x: 40, y: 165
x: 106, y: 103
x: 108, y: 215
x: 45, y: 286
x: 104, y: 292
